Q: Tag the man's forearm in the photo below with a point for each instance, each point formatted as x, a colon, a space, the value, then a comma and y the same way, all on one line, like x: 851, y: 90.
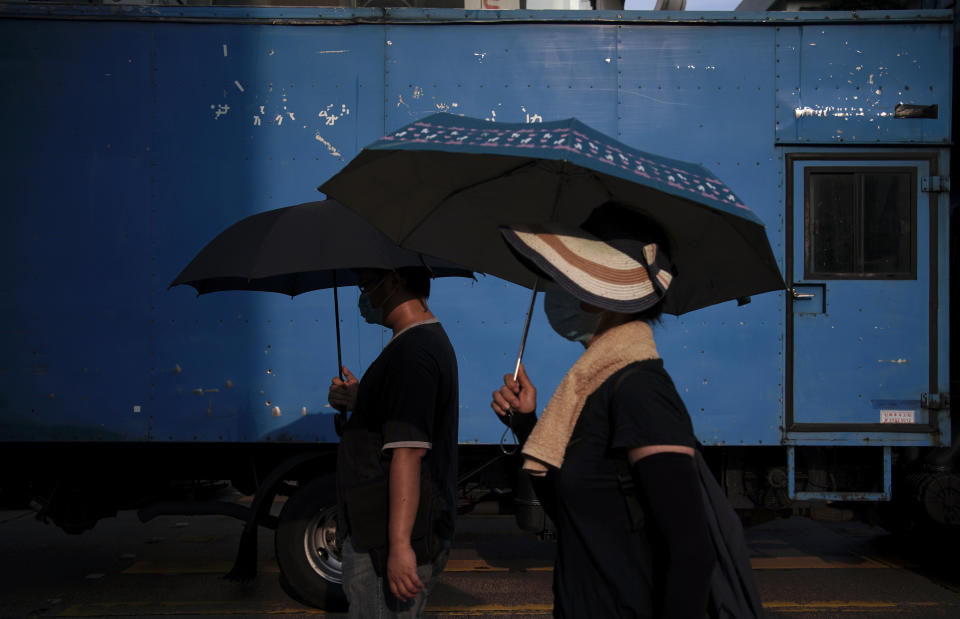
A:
x: 404, y: 493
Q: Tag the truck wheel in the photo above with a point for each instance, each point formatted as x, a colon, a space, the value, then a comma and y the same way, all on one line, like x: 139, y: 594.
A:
x: 306, y: 547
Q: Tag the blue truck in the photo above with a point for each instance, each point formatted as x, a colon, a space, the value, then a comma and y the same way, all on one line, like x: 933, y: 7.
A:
x: 134, y: 134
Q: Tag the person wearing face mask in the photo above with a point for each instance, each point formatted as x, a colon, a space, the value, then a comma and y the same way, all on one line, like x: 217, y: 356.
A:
x: 396, y: 462
x: 568, y: 317
x: 615, y: 441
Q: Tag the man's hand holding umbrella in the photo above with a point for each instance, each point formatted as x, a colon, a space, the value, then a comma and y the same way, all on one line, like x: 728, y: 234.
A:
x: 343, y: 391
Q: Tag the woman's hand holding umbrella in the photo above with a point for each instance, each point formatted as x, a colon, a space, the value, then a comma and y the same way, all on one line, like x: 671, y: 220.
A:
x: 343, y: 391
x: 515, y: 396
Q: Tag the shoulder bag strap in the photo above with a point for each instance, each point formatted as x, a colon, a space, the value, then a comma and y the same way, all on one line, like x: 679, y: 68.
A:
x: 624, y: 478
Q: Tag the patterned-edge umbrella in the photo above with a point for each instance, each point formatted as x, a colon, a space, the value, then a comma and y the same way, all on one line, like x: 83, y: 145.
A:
x: 444, y: 184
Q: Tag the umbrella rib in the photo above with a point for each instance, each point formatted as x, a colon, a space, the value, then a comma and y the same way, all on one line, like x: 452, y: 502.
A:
x: 459, y: 190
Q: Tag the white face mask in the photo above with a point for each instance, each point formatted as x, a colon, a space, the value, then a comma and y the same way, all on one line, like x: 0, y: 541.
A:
x: 567, y: 318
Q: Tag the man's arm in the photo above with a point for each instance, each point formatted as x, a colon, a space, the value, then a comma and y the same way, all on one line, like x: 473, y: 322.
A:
x: 404, y: 499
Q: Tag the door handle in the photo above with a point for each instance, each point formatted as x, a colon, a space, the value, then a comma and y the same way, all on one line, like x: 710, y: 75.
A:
x: 802, y: 296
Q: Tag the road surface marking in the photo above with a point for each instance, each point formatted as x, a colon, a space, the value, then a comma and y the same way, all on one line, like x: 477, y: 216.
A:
x: 489, y: 609
x: 481, y: 565
x: 173, y: 568
x: 807, y: 562
x: 850, y: 606
x: 223, y: 608
x: 801, y: 562
x: 179, y: 609
x: 513, y: 565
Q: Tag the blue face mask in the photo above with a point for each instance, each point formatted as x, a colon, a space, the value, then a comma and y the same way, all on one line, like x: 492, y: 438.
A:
x: 373, y: 315
x: 567, y: 318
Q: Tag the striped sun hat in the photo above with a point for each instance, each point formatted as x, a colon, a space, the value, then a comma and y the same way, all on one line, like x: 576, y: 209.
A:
x: 611, y: 261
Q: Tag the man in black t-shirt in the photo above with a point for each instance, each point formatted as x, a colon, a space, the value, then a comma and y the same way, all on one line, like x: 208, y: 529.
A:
x: 400, y: 441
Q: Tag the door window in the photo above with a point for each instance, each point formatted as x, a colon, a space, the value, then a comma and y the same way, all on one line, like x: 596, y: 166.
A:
x: 859, y: 223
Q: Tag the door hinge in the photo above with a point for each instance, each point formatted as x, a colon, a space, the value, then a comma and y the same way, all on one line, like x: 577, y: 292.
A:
x: 935, y: 401
x: 935, y: 184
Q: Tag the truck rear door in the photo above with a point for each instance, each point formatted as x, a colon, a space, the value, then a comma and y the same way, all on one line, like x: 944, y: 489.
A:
x: 864, y: 295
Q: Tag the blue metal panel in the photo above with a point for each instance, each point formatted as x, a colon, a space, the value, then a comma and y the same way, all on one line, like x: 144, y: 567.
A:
x: 506, y: 73
x: 277, y: 108
x: 75, y: 170
x: 707, y: 354
x: 685, y: 94
x: 787, y: 82
x: 842, y: 84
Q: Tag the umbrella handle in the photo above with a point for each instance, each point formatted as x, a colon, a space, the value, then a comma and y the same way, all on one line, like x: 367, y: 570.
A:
x: 508, y: 449
x: 526, y: 328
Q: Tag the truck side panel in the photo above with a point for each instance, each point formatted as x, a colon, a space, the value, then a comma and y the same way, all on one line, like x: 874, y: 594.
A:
x: 138, y: 141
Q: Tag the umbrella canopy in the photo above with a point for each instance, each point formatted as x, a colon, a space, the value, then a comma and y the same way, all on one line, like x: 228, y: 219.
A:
x: 444, y: 184
x: 300, y: 248
x: 297, y: 249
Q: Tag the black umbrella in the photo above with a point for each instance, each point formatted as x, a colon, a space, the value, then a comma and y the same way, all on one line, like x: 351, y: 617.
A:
x: 300, y: 248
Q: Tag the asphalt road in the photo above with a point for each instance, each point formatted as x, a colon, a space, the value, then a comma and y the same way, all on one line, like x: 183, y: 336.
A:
x: 173, y: 566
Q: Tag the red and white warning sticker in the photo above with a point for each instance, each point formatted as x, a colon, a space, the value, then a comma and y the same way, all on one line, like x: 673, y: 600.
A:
x: 897, y: 416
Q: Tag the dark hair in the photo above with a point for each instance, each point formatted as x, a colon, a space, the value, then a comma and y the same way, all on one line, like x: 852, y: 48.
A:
x: 620, y: 221
x: 416, y: 280
x: 651, y: 315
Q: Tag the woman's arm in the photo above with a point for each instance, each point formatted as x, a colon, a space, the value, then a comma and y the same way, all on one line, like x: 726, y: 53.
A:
x: 515, y: 403
x: 669, y: 489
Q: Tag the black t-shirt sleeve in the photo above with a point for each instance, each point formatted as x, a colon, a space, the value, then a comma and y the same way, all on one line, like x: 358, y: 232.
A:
x: 410, y: 398
x: 646, y: 410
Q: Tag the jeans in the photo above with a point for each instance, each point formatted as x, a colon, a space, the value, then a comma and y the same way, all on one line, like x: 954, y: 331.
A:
x: 369, y: 595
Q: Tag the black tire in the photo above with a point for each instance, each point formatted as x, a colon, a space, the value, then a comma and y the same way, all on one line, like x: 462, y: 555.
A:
x: 306, y: 548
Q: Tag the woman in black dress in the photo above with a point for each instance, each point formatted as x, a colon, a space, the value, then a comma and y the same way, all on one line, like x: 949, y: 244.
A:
x: 615, y: 410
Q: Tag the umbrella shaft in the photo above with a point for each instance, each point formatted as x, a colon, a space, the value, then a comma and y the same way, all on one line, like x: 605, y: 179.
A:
x: 526, y: 328
x: 336, y: 319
